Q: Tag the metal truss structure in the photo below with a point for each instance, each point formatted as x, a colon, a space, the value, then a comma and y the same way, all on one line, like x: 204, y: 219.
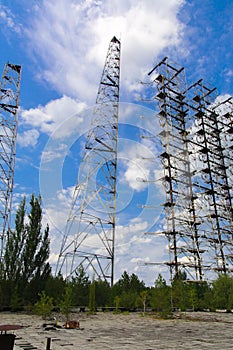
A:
x: 9, y: 104
x: 90, y: 230
x: 196, y: 153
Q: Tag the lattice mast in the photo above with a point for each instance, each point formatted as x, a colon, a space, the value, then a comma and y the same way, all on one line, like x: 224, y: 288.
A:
x: 90, y: 233
x: 181, y: 227
x: 212, y: 144
x: 197, y: 160
x: 9, y: 105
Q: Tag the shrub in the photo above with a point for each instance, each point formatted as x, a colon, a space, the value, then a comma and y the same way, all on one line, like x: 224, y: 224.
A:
x: 44, y: 306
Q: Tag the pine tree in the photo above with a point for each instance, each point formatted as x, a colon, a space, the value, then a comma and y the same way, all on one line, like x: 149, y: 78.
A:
x: 66, y: 303
x: 92, y: 303
x: 81, y: 285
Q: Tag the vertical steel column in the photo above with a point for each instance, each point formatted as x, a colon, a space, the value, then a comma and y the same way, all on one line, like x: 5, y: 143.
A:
x: 9, y: 104
x: 181, y: 227
x: 197, y: 160
x: 212, y: 183
x: 90, y: 233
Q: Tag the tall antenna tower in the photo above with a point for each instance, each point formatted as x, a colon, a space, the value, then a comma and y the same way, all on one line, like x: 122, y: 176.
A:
x: 9, y: 104
x: 90, y: 231
x: 212, y: 150
x: 196, y: 154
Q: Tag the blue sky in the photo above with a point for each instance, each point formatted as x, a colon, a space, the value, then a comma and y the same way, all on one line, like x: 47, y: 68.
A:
x: 61, y: 46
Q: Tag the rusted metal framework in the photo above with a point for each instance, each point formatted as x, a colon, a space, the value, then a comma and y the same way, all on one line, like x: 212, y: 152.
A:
x: 9, y: 104
x: 90, y: 231
x: 196, y: 153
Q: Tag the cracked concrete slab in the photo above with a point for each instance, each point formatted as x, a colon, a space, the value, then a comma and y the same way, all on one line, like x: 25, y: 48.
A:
x: 199, y: 330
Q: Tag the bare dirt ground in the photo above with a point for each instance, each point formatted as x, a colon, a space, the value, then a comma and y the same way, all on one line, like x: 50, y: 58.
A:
x: 197, y: 330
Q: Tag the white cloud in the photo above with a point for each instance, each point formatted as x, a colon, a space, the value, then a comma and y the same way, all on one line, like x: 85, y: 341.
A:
x: 53, y: 259
x: 47, y: 118
x: 134, y: 249
x: 71, y: 39
x: 134, y: 173
x: 28, y: 138
x: 139, y: 260
x: 56, y: 153
x: 7, y: 17
x: 228, y: 72
x: 139, y: 159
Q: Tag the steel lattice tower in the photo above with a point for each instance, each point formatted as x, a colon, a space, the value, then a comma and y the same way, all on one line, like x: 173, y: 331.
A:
x: 211, y: 145
x: 196, y: 153
x: 90, y: 231
x: 9, y: 104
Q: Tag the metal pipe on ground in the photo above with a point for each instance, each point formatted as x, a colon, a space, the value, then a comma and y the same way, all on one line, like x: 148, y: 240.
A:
x: 48, y: 343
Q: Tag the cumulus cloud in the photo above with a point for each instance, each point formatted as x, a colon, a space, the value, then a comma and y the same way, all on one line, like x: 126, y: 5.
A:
x: 133, y: 175
x: 139, y: 160
x: 71, y: 39
x: 28, y: 138
x: 47, y: 118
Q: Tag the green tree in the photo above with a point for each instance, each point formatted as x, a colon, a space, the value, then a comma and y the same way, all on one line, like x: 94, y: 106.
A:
x: 160, y: 282
x: 36, y: 248
x: 55, y: 287
x: 26, y: 265
x: 103, y: 293
x: 44, y: 305
x: 197, y: 295
x: 117, y: 300
x: 123, y: 284
x: 135, y: 284
x: 128, y: 289
x: 128, y: 283
x: 180, y: 297
x: 223, y: 292
x: 160, y: 295
x: 13, y: 258
x: 66, y: 303
x: 81, y: 285
x: 205, y: 297
x: 128, y: 300
x: 15, y: 302
x: 92, y: 302
x: 193, y: 298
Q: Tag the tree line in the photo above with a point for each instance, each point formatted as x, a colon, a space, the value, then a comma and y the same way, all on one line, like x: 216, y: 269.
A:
x: 26, y: 279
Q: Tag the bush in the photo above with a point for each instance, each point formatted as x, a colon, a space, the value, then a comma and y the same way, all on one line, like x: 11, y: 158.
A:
x: 44, y: 306
x: 66, y: 303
